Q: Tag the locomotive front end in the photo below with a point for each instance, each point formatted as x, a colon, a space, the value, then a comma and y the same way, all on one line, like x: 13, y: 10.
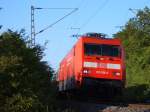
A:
x: 103, y: 63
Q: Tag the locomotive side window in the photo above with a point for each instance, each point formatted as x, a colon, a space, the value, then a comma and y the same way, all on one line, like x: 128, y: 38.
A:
x: 102, y: 50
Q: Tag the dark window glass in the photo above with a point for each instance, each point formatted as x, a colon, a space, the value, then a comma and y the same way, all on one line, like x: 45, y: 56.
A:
x: 102, y: 50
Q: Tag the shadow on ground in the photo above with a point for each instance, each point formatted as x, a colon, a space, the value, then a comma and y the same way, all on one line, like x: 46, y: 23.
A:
x: 137, y: 94
x: 132, y: 94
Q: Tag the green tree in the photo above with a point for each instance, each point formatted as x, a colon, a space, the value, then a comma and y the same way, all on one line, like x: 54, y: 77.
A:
x: 136, y: 40
x: 24, y: 78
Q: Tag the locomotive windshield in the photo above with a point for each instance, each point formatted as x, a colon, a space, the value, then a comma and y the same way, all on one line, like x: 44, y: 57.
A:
x: 102, y: 50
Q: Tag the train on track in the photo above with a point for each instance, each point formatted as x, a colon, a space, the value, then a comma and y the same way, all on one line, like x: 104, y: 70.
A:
x: 95, y: 63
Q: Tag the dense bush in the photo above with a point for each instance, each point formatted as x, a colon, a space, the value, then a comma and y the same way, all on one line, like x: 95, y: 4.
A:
x: 24, y: 78
x: 136, y: 40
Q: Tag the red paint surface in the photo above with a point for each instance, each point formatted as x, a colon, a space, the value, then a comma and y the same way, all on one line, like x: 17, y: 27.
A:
x: 73, y: 63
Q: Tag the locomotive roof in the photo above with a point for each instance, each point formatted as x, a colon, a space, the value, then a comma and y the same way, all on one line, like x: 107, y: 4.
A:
x: 97, y: 35
x: 100, y: 36
x: 92, y: 36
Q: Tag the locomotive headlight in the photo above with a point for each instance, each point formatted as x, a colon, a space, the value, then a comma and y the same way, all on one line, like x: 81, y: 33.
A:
x: 116, y: 73
x: 86, y: 71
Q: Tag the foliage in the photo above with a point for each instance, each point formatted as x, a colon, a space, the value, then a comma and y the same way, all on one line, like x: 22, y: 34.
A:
x: 136, y: 40
x: 24, y: 78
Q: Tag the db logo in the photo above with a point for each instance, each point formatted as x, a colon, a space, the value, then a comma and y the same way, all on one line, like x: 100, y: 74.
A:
x: 102, y: 65
x: 101, y: 72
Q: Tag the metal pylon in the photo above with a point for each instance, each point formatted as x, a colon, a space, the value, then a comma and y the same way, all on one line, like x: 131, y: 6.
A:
x: 32, y: 39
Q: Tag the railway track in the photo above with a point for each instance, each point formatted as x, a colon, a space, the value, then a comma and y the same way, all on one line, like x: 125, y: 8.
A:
x: 92, y: 105
x: 77, y: 106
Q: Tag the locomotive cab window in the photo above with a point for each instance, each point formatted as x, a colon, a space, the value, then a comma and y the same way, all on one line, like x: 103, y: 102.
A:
x: 102, y: 50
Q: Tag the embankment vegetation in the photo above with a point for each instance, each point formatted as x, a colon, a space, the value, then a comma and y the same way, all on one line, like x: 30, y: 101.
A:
x: 25, y: 84
x: 136, y: 40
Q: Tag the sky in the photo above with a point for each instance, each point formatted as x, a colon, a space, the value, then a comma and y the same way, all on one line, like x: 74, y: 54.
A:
x: 103, y: 16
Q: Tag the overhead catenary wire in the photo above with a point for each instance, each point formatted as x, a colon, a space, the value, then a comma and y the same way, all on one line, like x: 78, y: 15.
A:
x: 79, y: 7
x: 74, y: 26
x: 49, y: 26
x: 134, y: 11
x: 94, y: 14
x: 89, y: 19
x: 34, y: 33
x: 124, y: 18
x: 54, y: 8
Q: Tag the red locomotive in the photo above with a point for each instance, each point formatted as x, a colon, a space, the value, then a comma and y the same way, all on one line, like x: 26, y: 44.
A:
x: 93, y: 62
